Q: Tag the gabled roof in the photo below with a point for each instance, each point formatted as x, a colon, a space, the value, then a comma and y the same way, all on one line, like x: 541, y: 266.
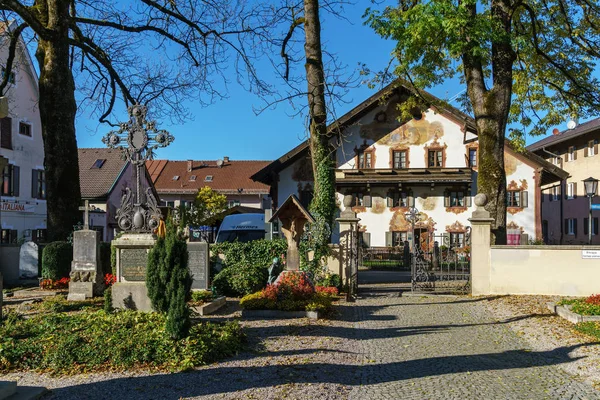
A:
x: 227, y: 179
x: 397, y: 86
x: 21, y: 49
x: 96, y: 183
x: 566, y: 135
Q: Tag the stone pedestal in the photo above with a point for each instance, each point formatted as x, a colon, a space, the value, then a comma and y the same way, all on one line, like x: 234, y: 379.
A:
x: 86, y: 273
x: 481, y: 225
x: 130, y: 290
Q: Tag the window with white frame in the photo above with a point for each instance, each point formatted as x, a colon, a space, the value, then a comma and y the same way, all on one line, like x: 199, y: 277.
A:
x: 555, y: 191
x: 457, y: 239
x: 571, y: 226
x: 570, y: 190
x: 399, y: 237
x: 571, y: 153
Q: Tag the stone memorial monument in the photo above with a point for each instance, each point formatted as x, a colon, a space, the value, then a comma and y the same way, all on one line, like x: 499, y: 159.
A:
x: 293, y: 217
x: 28, y: 260
x: 86, y: 272
x: 198, y: 264
x: 139, y: 214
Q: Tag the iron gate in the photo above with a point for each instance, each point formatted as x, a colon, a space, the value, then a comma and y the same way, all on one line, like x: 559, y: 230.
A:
x: 351, y: 250
x: 441, y: 266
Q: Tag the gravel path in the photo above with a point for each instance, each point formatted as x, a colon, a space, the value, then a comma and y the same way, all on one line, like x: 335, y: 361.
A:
x: 384, y: 346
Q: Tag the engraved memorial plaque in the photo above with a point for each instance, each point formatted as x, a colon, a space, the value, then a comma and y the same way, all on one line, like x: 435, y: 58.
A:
x: 133, y: 264
x: 198, y: 263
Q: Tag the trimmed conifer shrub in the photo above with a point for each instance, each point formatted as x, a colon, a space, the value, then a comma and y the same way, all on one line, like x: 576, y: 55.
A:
x: 169, y: 282
x: 56, y: 260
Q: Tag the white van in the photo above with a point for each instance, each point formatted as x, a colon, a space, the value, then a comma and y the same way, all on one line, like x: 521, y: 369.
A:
x: 241, y: 227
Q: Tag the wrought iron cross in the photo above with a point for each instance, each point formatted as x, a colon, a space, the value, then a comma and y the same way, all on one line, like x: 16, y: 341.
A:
x: 137, y: 139
x: 413, y: 216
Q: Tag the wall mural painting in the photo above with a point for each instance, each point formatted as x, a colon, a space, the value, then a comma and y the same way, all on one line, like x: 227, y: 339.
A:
x: 510, y: 164
x: 386, y: 129
x: 512, y: 225
x: 456, y: 227
x: 379, y: 203
x: 399, y: 223
x: 427, y: 203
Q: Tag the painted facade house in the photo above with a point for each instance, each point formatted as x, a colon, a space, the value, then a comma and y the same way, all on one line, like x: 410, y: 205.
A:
x: 429, y: 162
x: 565, y: 207
x: 178, y: 182
x: 103, y: 176
x: 23, y: 190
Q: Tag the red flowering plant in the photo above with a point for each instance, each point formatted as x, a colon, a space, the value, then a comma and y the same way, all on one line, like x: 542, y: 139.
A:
x: 109, y: 279
x: 593, y: 299
x: 62, y: 283
x: 327, y: 290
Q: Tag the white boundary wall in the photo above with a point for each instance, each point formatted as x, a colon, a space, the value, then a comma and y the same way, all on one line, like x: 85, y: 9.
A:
x: 544, y: 270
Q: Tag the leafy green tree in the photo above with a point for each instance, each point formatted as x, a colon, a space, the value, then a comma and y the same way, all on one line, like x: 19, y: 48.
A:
x: 168, y: 280
x: 207, y: 205
x: 527, y: 62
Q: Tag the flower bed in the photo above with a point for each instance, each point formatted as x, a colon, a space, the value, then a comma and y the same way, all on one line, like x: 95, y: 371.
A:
x: 291, y: 292
x: 587, y: 306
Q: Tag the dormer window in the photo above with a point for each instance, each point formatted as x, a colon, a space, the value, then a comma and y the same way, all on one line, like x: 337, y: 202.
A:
x: 98, y: 163
x: 208, y: 178
x: 176, y: 178
x: 192, y: 178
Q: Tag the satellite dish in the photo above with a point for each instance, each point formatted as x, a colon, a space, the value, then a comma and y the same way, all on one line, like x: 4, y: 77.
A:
x: 571, y: 124
x: 219, y: 163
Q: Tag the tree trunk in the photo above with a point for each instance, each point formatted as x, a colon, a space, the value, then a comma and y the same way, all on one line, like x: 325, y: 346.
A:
x: 57, y: 111
x: 491, y: 176
x: 323, y: 203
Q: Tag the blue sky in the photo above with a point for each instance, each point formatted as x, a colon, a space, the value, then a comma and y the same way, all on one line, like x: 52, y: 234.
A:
x: 231, y: 128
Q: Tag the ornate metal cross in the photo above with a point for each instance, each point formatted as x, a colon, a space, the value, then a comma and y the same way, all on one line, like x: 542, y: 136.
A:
x: 413, y: 216
x: 137, y: 139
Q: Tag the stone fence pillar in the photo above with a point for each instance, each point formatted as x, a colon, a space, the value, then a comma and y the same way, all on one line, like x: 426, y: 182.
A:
x: 481, y: 226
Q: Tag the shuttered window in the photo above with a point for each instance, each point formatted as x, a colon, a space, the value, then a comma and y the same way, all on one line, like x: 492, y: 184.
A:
x: 10, y: 182
x: 6, y: 133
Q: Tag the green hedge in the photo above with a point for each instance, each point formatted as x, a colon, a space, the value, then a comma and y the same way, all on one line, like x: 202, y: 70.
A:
x: 245, y: 268
x: 56, y: 260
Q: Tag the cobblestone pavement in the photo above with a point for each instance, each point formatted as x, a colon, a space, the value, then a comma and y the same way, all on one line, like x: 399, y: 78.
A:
x: 382, y: 347
x: 451, y: 348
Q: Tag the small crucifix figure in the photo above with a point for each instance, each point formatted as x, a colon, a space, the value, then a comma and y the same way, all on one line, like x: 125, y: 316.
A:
x: 86, y: 216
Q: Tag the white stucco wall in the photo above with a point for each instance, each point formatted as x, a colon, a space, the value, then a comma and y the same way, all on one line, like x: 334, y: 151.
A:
x: 433, y: 129
x: 27, y: 152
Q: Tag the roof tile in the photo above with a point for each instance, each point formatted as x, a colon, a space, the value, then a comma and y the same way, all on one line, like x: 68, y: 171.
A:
x: 233, y: 175
x: 97, y: 182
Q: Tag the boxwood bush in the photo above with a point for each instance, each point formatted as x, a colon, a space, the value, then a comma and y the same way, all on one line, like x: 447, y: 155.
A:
x: 56, y: 260
x: 245, y: 265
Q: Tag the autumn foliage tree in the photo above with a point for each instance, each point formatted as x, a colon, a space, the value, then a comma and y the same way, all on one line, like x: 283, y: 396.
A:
x: 529, y: 63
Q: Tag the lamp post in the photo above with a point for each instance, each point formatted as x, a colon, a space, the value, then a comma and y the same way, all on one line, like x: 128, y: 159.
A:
x: 591, y: 185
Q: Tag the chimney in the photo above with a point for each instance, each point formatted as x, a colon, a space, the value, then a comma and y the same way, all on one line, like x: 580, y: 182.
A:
x: 189, y: 166
x: 225, y: 159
